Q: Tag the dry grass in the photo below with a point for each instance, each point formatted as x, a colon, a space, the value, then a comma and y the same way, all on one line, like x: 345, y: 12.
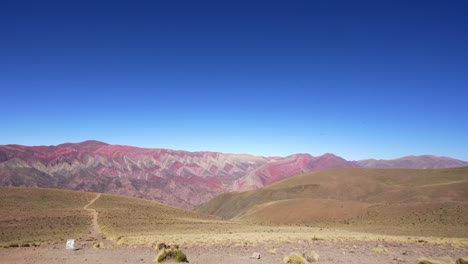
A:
x: 33, y: 216
x: 447, y: 260
x: 295, y: 258
x: 314, y: 256
x: 131, y: 221
x: 392, y: 202
x: 171, y: 255
x: 380, y: 250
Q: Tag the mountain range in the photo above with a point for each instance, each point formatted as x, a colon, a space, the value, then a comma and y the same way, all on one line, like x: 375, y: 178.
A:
x: 178, y: 178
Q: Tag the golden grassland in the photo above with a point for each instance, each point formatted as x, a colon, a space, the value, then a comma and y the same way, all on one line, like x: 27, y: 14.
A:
x: 131, y: 221
x: 31, y: 216
x: 393, y: 202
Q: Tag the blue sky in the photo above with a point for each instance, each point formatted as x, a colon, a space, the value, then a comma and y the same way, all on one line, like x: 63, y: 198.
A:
x: 360, y: 79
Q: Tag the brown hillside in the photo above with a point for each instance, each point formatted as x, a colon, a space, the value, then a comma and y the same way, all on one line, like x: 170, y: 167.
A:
x: 35, y: 216
x: 32, y: 216
x: 419, y: 202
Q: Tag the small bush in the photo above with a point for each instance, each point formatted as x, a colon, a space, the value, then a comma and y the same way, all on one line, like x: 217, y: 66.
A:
x: 295, y: 258
x: 314, y: 256
x: 380, y: 250
x: 447, y: 260
x: 316, y: 238
x: 175, y: 255
x: 462, y: 261
x: 427, y: 261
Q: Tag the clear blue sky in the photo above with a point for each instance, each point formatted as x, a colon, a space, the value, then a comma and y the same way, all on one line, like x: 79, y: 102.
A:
x: 360, y: 79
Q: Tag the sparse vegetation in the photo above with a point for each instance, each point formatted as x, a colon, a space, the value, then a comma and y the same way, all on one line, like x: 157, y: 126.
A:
x: 161, y: 246
x: 33, y: 216
x: 172, y: 254
x: 380, y: 250
x: 315, y: 238
x: 314, y: 256
x: 295, y: 258
x: 393, y: 202
x: 131, y: 221
x: 447, y: 260
x: 462, y: 261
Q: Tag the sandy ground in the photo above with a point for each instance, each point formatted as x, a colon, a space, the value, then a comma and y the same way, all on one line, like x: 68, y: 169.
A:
x: 329, y: 251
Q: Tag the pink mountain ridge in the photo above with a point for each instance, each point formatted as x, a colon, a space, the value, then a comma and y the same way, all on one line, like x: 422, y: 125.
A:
x: 178, y: 178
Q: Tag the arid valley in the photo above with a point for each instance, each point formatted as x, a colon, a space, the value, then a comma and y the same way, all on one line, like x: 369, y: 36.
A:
x: 341, y: 215
x: 234, y: 132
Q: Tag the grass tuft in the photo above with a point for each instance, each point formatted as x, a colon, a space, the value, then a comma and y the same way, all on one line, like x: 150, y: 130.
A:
x: 314, y: 256
x: 447, y: 260
x: 175, y: 255
x: 462, y: 261
x: 380, y: 250
x: 316, y: 238
x: 295, y: 258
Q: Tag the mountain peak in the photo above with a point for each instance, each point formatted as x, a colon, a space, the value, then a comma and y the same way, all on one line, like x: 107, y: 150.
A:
x: 88, y: 145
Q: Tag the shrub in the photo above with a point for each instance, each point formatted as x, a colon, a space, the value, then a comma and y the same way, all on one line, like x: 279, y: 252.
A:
x: 314, y: 256
x: 295, y: 258
x: 173, y: 254
x: 380, y: 250
x: 462, y: 261
x: 316, y: 238
x: 432, y: 261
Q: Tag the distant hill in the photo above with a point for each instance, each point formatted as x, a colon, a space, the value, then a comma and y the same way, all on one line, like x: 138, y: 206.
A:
x: 413, y: 162
x: 393, y: 201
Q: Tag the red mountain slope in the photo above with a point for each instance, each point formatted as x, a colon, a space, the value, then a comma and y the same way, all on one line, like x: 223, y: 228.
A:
x: 284, y: 168
x: 179, y: 178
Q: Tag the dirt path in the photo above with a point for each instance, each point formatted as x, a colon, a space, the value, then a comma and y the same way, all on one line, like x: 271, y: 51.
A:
x: 95, y: 234
x: 95, y: 230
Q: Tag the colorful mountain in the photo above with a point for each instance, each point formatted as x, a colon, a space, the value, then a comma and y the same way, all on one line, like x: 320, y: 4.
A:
x: 178, y: 178
x: 413, y: 162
